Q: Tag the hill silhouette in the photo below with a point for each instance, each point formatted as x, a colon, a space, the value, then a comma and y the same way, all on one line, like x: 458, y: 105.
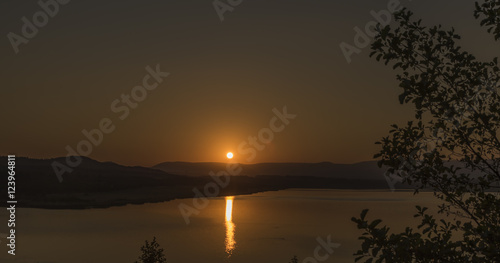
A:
x: 103, y: 184
x: 359, y: 171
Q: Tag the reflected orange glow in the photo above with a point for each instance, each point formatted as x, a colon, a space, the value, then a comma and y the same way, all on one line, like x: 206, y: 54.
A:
x: 229, y: 208
x: 230, y: 241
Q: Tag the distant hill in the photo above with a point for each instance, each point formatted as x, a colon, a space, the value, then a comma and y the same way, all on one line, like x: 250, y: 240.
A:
x: 358, y: 171
x: 90, y: 175
x: 104, y: 184
x: 91, y: 184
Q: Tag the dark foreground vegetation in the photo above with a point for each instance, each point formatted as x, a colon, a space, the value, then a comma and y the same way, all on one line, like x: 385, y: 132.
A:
x: 457, y: 117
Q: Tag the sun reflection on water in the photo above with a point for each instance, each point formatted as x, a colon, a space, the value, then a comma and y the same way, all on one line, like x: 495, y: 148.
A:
x: 230, y: 241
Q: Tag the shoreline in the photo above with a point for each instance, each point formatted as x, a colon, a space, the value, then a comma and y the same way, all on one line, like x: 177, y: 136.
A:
x: 85, y: 204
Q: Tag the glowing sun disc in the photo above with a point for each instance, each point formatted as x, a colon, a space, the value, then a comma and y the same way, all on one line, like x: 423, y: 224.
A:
x: 229, y: 155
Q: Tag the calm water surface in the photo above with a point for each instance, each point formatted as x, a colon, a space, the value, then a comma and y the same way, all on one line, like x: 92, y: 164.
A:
x: 264, y: 227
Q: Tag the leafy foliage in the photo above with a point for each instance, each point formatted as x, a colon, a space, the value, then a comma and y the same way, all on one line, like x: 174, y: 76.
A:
x: 152, y: 253
x: 489, y: 12
x: 452, y: 146
x: 294, y: 260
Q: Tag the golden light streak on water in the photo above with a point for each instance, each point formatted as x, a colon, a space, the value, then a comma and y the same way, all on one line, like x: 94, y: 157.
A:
x: 229, y: 208
x: 230, y: 241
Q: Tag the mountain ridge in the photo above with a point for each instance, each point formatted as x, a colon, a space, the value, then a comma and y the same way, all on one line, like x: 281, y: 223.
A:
x: 361, y: 170
x: 95, y: 184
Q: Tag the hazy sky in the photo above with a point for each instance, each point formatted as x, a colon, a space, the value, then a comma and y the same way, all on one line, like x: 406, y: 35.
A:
x: 225, y: 78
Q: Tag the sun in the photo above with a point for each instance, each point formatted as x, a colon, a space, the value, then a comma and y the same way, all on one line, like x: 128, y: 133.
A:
x: 229, y: 155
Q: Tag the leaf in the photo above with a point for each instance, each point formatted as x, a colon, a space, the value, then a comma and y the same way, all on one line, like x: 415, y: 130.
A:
x: 375, y: 223
x: 363, y: 214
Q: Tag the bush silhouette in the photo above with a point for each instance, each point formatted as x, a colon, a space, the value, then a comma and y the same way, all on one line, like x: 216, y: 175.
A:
x: 151, y: 253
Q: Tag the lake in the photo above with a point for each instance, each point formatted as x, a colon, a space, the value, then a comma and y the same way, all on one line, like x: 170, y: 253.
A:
x: 262, y: 227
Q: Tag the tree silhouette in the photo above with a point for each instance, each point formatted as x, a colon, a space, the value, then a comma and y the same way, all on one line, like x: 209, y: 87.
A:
x: 489, y: 12
x: 452, y: 145
x: 151, y: 253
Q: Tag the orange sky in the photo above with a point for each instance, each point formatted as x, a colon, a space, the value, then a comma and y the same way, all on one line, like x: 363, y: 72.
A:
x: 225, y: 79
